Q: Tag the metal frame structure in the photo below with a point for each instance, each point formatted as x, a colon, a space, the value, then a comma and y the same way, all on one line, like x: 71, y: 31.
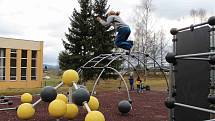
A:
x: 94, y: 62
x: 197, y: 56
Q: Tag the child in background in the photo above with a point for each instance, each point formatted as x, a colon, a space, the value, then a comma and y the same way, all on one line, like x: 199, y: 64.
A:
x: 138, y: 82
x: 131, y: 81
x: 142, y: 86
x: 122, y: 29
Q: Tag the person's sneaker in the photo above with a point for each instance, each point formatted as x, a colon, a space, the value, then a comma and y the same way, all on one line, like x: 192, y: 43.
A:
x: 131, y: 42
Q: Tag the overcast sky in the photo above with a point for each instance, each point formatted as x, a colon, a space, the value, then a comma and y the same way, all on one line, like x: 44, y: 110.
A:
x: 47, y: 20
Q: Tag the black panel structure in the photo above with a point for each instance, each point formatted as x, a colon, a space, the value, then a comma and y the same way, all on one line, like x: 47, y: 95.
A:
x: 192, y: 77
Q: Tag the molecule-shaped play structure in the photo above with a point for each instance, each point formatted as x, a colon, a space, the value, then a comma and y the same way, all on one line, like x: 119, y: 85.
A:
x: 59, y: 104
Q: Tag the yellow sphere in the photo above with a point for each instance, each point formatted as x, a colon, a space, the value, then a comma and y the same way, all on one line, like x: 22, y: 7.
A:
x: 93, y: 103
x: 94, y: 116
x: 70, y: 76
x: 62, y: 97
x: 26, y: 98
x: 25, y: 111
x: 72, y: 111
x: 57, y: 108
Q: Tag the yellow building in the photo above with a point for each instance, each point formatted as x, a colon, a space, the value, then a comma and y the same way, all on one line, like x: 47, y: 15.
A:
x: 21, y: 63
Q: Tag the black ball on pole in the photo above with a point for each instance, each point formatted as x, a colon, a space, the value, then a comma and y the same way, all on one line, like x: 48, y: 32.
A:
x: 124, y: 106
x: 80, y: 95
x: 48, y: 94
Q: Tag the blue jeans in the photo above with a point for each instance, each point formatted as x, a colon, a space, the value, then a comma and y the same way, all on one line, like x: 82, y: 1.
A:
x: 121, y: 38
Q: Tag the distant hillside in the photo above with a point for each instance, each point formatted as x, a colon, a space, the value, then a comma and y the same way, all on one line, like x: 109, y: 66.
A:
x: 55, y: 67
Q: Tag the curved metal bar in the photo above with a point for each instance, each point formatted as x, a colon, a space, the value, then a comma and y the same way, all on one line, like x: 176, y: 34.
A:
x: 132, y: 67
x: 115, y: 71
x: 102, y: 59
x: 126, y: 86
x: 162, y: 71
x: 88, y: 62
x: 94, y: 86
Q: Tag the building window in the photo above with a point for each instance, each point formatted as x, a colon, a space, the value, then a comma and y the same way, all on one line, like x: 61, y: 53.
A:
x: 24, y: 65
x: 33, y: 65
x: 13, y: 59
x: 2, y: 63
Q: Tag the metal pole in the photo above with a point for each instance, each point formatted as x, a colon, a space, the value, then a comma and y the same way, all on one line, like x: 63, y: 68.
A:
x: 196, y: 25
x: 39, y: 100
x: 126, y: 86
x: 5, y: 109
x: 195, y: 108
x: 200, y: 59
x: 212, y: 71
x: 85, y: 103
x: 70, y: 94
x: 172, y: 80
x: 195, y: 55
x: 94, y: 86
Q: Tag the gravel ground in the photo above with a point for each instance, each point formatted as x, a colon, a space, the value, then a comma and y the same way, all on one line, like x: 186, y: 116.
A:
x: 147, y: 106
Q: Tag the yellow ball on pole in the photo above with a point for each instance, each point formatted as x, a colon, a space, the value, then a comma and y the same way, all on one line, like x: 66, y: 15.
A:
x: 62, y: 97
x: 70, y: 76
x: 94, y: 116
x: 25, y: 111
x: 26, y: 98
x: 72, y: 111
x: 93, y: 103
x: 57, y: 108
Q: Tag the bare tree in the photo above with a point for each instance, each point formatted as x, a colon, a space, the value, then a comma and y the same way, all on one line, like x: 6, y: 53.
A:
x: 193, y: 14
x: 147, y: 40
x: 142, y: 18
x: 199, y: 14
x: 202, y: 14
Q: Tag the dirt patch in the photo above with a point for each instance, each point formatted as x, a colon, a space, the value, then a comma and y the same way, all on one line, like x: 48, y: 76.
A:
x: 147, y: 106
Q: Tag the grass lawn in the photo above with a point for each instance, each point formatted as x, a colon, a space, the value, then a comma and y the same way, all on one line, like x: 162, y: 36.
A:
x: 155, y: 83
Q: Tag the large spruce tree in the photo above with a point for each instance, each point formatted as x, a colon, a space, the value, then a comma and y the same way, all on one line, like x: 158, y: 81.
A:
x: 103, y: 36
x: 86, y: 37
x: 78, y: 46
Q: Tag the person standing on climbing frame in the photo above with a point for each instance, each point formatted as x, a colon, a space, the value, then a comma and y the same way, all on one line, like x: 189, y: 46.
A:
x: 123, y: 30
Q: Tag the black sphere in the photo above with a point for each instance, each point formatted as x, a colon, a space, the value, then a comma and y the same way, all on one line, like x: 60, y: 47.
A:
x: 212, y: 60
x: 169, y: 103
x: 170, y: 58
x: 211, y: 99
x: 124, y: 106
x: 48, y: 94
x: 80, y: 95
x: 174, y: 31
x: 211, y: 20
